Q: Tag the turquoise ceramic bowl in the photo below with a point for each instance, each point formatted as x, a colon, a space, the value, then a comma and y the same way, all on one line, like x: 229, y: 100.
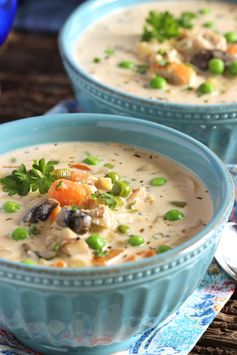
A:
x: 101, y: 310
x: 214, y: 125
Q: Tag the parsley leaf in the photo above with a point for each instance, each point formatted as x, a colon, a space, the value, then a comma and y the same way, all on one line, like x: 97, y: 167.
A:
x: 21, y: 181
x: 17, y: 183
x: 163, y: 25
x: 160, y: 26
x: 106, y: 198
x: 185, y: 20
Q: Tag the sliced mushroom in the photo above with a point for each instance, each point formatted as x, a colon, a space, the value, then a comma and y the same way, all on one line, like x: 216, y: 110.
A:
x: 202, y: 58
x: 40, y: 212
x: 76, y: 220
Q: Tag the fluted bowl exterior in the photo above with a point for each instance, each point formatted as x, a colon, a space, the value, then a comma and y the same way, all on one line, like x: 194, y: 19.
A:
x: 214, y: 125
x: 100, y: 310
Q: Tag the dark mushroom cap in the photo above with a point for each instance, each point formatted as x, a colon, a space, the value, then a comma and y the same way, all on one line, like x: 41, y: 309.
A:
x: 40, y: 212
x: 76, y: 220
x: 202, y: 58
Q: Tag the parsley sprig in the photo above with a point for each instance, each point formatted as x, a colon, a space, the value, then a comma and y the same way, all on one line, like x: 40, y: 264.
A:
x: 164, y: 25
x: 22, y: 181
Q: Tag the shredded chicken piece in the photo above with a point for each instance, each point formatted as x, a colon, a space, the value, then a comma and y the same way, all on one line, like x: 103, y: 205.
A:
x: 60, y: 236
x: 75, y: 262
x: 137, y: 195
x: 195, y: 41
x: 101, y: 216
x: 75, y: 247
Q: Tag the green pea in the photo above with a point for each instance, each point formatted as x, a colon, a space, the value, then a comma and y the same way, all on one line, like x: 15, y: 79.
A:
x: 204, y: 11
x: 216, y: 66
x: 116, y: 188
x: 91, y: 160
x: 231, y: 37
x: 109, y: 166
x: 173, y: 215
x: 158, y: 83
x: 126, y: 64
x: 109, y: 51
x: 20, y: 233
x: 126, y: 189
x: 123, y: 229
x: 29, y: 262
x: 11, y: 207
x: 135, y: 240
x: 209, y: 24
x: 232, y: 68
x: 162, y: 249
x: 158, y: 181
x: 96, y: 242
x: 121, y: 188
x: 115, y: 177
x: 205, y: 88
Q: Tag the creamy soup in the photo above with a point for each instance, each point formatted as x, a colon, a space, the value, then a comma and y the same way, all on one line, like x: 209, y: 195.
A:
x: 95, y: 204
x: 181, y: 51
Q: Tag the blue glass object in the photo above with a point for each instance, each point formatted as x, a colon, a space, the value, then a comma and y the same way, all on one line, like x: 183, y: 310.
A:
x: 7, y: 13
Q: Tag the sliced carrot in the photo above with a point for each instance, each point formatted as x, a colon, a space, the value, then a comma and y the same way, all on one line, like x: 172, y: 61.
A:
x: 54, y: 213
x: 79, y: 176
x: 132, y: 258
x: 142, y: 254
x: 80, y: 166
x: 176, y: 73
x: 112, y: 257
x: 147, y: 253
x: 68, y: 193
x: 59, y: 263
x: 232, y: 49
x: 182, y: 71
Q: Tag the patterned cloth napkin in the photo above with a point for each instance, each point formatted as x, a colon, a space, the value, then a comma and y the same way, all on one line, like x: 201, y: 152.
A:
x: 178, y: 334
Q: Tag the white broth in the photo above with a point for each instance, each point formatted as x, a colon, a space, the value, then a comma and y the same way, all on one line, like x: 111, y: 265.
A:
x: 113, y: 52
x: 115, y: 203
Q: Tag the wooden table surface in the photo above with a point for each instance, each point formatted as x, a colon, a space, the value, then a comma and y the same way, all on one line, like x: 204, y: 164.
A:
x: 32, y: 81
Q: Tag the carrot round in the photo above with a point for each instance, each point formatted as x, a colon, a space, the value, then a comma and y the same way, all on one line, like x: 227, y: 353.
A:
x: 232, y: 49
x: 68, y: 193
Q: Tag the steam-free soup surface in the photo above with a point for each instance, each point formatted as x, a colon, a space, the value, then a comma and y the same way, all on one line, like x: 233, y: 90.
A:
x: 96, y: 204
x: 197, y: 63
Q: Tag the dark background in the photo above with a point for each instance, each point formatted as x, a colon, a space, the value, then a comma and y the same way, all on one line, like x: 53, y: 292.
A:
x: 43, y: 15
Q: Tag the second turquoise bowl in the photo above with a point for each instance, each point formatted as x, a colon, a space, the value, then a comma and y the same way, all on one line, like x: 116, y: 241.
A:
x: 214, y: 125
x: 96, y: 311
